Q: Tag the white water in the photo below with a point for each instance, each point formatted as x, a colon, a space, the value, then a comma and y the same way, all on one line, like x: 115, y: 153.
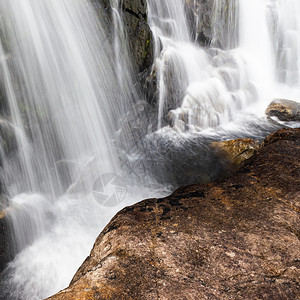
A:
x: 68, y: 89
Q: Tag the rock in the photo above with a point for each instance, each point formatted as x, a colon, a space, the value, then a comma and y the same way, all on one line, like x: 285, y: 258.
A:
x: 214, y: 23
x: 8, y: 141
x: 284, y: 110
x: 237, y: 238
x: 234, y: 152
x: 135, y: 125
x: 205, y: 12
x: 6, y: 253
x: 139, y: 35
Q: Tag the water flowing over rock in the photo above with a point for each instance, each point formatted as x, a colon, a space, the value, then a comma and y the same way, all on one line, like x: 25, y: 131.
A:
x: 284, y: 110
x: 107, y: 102
x: 233, y: 238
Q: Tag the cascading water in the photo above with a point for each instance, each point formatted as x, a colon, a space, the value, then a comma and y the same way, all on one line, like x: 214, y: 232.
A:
x: 202, y: 88
x: 286, y: 38
x: 59, y: 76
x: 69, y: 92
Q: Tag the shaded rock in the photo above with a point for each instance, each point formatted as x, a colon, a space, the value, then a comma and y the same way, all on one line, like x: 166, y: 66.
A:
x: 234, y: 152
x: 284, y: 110
x: 214, y: 22
x: 237, y: 238
x: 139, y: 35
x: 8, y: 141
x: 6, y: 254
x: 205, y: 12
x: 149, y: 85
x: 135, y: 125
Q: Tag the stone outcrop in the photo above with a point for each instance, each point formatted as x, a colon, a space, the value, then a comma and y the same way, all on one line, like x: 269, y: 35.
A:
x: 205, y: 12
x: 284, y: 110
x: 214, y: 22
x: 234, y: 152
x: 138, y: 32
x: 237, y: 238
x: 5, y: 243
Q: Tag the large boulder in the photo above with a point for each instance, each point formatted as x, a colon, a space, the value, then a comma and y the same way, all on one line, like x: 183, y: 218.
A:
x: 237, y: 238
x: 284, y: 110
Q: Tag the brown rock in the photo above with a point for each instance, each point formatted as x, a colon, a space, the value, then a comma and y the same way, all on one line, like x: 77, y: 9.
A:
x: 237, y: 238
x: 235, y: 152
x: 284, y: 110
x: 5, y: 243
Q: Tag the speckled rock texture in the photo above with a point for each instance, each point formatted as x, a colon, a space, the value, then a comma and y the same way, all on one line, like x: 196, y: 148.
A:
x: 284, y: 110
x: 237, y: 238
x: 234, y: 152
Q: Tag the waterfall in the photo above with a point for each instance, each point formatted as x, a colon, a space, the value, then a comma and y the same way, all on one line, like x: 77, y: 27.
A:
x: 286, y: 39
x: 64, y: 105
x: 84, y: 141
x: 226, y: 24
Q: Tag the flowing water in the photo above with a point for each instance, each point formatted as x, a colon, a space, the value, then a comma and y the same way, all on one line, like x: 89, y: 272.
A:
x: 79, y: 151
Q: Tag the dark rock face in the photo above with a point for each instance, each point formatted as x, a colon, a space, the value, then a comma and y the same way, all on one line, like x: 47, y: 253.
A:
x: 214, y: 22
x: 237, y: 238
x: 5, y: 244
x: 205, y: 10
x: 284, y: 110
x: 138, y: 31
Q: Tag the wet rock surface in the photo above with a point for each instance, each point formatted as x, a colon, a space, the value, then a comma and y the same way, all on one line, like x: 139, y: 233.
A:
x: 139, y: 35
x: 236, y: 238
x: 284, y: 110
x: 5, y: 244
x: 5, y: 237
x: 234, y: 152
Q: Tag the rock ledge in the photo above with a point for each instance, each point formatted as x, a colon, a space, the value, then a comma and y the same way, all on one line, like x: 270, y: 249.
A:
x: 237, y: 238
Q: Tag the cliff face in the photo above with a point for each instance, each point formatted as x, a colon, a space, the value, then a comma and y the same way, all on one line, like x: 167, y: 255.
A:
x: 235, y: 238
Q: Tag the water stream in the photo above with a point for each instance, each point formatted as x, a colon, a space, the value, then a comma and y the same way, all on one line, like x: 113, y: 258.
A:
x: 81, y: 154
